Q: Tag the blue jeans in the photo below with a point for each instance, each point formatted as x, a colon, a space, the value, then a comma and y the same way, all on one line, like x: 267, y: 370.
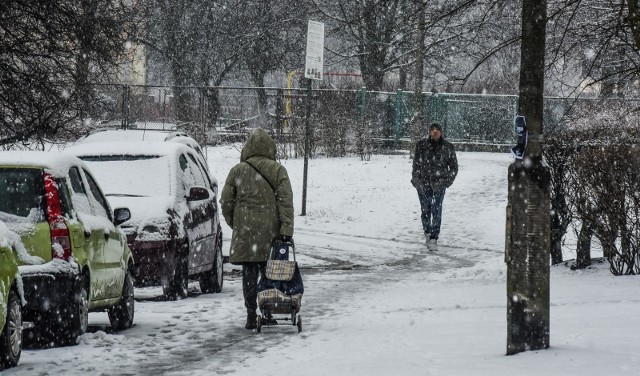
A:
x: 431, y: 204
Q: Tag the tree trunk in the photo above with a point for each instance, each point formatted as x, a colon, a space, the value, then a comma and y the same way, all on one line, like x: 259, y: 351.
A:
x: 557, y: 232
x: 85, y: 38
x: 257, y: 75
x: 528, y: 237
x: 583, y: 248
x: 634, y: 21
x: 416, y: 125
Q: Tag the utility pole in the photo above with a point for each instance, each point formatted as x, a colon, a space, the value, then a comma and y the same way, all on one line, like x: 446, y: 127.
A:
x: 528, y: 210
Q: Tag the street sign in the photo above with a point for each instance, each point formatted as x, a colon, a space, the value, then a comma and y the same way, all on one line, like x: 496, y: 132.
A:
x: 314, y: 61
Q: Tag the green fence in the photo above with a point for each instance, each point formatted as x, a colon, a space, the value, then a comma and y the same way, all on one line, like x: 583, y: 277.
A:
x: 342, y: 120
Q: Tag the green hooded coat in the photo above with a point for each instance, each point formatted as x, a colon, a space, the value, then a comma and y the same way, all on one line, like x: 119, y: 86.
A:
x: 249, y: 204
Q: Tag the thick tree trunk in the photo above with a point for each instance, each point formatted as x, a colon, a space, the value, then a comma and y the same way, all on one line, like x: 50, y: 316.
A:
x: 528, y: 229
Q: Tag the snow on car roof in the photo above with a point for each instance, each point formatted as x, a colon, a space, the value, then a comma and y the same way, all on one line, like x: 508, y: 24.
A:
x: 131, y: 135
x: 126, y: 148
x: 54, y: 162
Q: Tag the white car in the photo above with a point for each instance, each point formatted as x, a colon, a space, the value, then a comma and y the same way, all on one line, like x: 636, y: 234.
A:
x: 174, y: 231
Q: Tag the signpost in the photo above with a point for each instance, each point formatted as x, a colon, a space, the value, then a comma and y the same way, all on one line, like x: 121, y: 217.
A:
x: 313, y: 70
x: 314, y: 61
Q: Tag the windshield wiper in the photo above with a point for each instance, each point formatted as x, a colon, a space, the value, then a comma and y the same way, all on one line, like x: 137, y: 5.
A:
x: 122, y: 195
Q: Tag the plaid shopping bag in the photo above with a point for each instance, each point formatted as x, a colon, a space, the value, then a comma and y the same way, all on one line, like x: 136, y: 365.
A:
x: 280, y: 270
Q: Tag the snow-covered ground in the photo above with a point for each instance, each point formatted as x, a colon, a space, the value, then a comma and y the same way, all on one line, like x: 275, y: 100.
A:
x: 376, y: 301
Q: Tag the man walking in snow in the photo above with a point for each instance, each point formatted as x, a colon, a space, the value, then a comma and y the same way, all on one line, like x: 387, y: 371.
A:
x: 435, y: 167
x: 257, y: 203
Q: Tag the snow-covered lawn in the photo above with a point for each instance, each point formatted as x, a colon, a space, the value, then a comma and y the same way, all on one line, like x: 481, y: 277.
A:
x: 376, y: 301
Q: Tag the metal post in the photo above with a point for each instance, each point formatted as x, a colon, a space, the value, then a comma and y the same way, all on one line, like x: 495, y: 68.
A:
x: 399, y: 120
x: 126, y: 105
x: 306, y: 149
x: 164, y: 107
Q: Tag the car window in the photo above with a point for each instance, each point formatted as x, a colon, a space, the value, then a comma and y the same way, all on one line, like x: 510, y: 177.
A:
x: 189, y: 178
x: 199, y: 176
x: 76, y: 181
x: 183, y: 162
x: 205, y: 171
x: 65, y: 198
x: 22, y: 193
x: 100, y: 203
x: 79, y: 198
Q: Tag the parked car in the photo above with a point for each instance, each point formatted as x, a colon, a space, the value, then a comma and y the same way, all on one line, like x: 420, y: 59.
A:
x: 10, y: 303
x: 78, y: 260
x: 175, y: 231
x: 153, y: 135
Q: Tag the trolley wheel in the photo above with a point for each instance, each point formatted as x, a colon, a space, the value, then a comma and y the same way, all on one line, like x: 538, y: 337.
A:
x: 299, y: 324
x: 259, y: 324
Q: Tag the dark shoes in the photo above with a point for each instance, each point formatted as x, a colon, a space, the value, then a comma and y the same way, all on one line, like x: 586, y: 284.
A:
x: 252, y: 321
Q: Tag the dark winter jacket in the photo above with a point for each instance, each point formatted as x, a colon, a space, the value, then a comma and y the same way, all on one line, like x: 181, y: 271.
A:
x: 434, y: 164
x: 249, y: 203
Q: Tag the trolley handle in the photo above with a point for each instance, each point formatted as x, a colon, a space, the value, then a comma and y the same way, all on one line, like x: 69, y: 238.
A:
x: 277, y: 243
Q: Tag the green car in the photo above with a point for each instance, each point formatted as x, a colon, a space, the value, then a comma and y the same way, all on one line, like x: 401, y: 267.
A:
x: 10, y: 303
x: 78, y: 258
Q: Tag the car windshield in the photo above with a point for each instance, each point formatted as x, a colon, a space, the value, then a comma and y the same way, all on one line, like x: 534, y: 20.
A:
x: 21, y: 194
x: 131, y: 175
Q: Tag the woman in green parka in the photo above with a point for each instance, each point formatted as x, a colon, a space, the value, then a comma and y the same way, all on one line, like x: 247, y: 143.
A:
x: 257, y: 203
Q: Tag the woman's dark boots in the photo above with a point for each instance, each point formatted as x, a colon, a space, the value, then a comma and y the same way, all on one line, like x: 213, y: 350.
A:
x: 252, y: 321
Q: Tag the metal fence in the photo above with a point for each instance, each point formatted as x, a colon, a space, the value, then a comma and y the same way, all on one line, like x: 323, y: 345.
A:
x: 342, y: 121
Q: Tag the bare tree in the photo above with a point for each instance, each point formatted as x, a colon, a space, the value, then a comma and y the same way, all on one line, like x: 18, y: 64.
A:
x: 275, y: 33
x: 49, y: 52
x: 197, y: 43
x: 593, y: 46
x: 373, y: 32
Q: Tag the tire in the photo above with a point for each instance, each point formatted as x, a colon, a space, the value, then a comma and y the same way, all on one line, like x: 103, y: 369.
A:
x: 121, y: 315
x: 259, y: 324
x: 72, y: 320
x: 212, y: 280
x: 179, y: 284
x: 299, y: 324
x: 11, y: 336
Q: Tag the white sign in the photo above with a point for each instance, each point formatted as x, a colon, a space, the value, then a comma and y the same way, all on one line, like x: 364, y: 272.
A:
x: 314, y: 61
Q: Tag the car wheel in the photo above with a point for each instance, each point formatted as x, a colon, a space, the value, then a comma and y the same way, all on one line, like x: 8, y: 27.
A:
x: 212, y: 280
x: 72, y: 320
x: 11, y: 336
x: 179, y: 284
x: 121, y: 315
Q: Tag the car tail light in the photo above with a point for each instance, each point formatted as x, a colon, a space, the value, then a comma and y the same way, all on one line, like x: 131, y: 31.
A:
x: 60, y: 237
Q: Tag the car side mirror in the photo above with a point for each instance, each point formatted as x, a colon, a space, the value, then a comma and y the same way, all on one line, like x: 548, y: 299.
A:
x: 198, y: 193
x: 121, y: 215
